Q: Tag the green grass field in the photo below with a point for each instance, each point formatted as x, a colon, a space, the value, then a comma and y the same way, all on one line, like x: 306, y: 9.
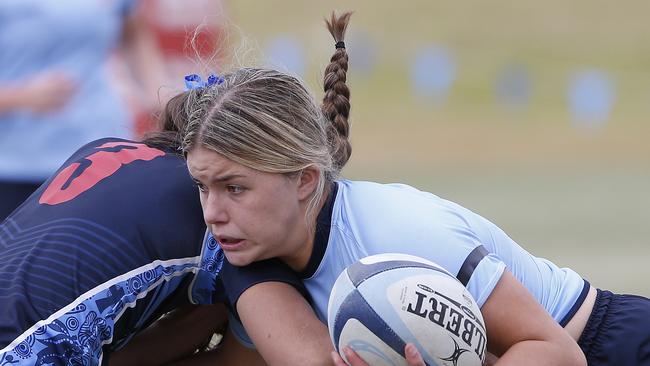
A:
x: 580, y: 199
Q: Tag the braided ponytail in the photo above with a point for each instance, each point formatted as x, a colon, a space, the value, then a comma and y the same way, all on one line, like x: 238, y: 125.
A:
x: 336, y: 102
x: 268, y: 121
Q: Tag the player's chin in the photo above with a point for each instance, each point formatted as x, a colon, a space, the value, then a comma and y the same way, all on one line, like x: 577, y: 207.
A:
x: 239, y: 258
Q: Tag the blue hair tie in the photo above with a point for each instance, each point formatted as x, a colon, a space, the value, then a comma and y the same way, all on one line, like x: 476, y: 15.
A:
x: 194, y: 81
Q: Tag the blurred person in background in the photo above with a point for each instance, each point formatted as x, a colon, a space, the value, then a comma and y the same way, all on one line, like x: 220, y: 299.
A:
x: 195, y: 36
x: 56, y: 92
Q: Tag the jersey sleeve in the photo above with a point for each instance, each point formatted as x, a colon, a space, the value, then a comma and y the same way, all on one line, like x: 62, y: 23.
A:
x: 485, y: 274
x: 236, y: 280
x: 499, y: 248
x: 467, y: 253
x: 399, y: 218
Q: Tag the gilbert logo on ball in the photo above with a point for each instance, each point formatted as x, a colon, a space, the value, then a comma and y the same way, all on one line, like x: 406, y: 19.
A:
x: 384, y: 301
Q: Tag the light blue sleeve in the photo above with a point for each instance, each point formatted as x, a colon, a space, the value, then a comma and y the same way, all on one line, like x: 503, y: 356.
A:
x: 485, y: 278
x: 556, y: 289
x: 399, y: 218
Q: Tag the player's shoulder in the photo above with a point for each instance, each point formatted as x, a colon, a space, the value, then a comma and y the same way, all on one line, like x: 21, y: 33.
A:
x: 385, y: 213
x: 386, y: 200
x: 124, y: 151
x: 104, y: 141
x: 117, y: 168
x: 367, y: 189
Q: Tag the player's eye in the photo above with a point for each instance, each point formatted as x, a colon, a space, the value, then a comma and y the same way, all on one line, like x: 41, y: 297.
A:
x: 235, y: 189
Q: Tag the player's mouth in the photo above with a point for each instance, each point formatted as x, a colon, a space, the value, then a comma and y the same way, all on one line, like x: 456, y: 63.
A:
x: 229, y: 243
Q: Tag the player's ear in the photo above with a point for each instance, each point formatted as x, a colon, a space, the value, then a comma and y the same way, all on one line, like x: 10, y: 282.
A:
x: 307, y: 182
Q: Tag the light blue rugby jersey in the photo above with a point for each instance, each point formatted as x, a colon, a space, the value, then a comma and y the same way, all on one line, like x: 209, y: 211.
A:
x: 370, y: 218
x: 364, y: 218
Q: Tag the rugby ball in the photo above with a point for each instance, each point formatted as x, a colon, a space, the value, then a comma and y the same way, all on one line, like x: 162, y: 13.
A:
x: 384, y: 301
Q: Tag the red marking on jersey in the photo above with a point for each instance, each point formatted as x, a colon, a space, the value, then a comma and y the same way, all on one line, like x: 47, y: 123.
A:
x: 103, y: 164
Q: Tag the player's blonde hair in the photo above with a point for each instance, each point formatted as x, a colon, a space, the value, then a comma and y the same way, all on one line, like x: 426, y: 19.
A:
x: 268, y: 121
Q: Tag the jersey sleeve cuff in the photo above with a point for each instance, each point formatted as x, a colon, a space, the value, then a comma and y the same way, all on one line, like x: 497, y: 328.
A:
x: 489, y: 271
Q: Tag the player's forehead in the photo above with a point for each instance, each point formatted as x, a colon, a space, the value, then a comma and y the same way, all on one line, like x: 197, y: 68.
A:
x: 208, y: 163
x: 208, y: 166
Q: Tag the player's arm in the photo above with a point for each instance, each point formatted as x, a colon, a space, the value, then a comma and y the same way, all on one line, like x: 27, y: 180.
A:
x: 41, y: 93
x: 269, y: 298
x: 520, y: 331
x: 11, y: 99
x: 283, y: 326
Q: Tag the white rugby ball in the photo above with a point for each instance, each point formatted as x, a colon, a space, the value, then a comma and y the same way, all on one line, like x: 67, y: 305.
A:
x: 384, y: 301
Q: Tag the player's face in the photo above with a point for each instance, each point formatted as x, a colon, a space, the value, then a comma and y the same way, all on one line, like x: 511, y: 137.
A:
x: 254, y: 215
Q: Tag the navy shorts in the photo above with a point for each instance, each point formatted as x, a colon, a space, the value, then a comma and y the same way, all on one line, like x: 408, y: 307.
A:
x: 618, y: 331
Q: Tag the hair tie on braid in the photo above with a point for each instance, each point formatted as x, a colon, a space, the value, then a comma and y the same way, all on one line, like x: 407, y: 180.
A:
x: 339, y: 44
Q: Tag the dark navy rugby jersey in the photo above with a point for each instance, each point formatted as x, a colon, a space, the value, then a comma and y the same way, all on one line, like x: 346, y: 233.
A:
x: 103, y: 247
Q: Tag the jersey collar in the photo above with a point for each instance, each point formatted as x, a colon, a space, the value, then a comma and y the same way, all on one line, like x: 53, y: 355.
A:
x: 322, y: 234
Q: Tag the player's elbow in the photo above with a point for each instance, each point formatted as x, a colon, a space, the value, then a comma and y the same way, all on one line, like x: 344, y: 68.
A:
x: 578, y: 357
x: 571, y: 354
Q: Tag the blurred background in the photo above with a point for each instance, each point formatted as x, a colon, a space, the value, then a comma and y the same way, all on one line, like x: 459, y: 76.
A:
x: 532, y: 114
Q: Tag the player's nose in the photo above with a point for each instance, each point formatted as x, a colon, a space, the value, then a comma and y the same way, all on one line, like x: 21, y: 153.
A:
x: 214, y: 210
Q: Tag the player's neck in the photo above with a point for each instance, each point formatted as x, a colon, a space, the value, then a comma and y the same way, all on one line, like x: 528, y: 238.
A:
x: 307, y: 229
